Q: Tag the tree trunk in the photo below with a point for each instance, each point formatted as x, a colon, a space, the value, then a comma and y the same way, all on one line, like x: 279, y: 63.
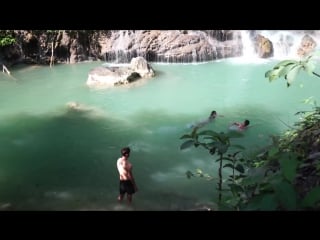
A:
x: 220, y: 180
x: 51, y: 59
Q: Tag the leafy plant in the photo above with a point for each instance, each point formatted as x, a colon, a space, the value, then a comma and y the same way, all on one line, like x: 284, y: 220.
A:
x: 289, y: 69
x: 216, y: 144
x: 6, y: 38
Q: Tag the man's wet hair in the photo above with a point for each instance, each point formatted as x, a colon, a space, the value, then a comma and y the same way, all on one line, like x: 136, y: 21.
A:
x: 212, y: 113
x: 246, y: 122
x: 125, y: 151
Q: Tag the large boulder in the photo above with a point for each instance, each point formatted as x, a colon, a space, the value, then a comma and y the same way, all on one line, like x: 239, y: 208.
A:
x: 263, y: 46
x: 109, y: 76
x: 140, y: 65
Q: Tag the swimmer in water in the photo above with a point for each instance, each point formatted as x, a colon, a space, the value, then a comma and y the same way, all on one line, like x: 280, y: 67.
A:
x: 201, y: 124
x: 239, y: 126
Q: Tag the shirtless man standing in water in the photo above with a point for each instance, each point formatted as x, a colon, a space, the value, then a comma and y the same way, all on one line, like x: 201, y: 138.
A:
x: 127, y: 183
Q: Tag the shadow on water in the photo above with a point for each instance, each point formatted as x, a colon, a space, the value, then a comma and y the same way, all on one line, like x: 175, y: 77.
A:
x: 40, y: 155
x: 66, y: 161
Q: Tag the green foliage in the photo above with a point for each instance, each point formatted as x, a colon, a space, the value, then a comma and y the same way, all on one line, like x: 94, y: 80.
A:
x: 6, y: 41
x: 289, y: 69
x: 289, y: 177
x: 6, y: 38
x: 312, y: 198
x: 269, y: 180
x: 286, y: 175
x: 216, y: 144
x: 271, y: 187
x: 304, y: 135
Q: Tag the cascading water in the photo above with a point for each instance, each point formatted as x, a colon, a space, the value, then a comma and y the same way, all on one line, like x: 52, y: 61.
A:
x: 285, y: 43
x: 191, y: 46
x: 248, y: 47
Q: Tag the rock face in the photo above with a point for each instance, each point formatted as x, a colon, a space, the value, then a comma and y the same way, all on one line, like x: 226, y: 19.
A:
x: 171, y: 46
x: 308, y: 44
x: 71, y: 46
x: 263, y: 46
x: 112, y: 76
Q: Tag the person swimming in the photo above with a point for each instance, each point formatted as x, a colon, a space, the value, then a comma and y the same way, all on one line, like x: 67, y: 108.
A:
x: 213, y: 115
x: 239, y: 126
x: 202, y: 123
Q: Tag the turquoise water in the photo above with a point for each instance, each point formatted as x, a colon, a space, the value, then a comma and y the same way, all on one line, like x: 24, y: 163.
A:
x: 54, y: 158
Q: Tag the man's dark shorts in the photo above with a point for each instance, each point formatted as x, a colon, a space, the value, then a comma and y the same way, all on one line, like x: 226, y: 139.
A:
x: 126, y: 186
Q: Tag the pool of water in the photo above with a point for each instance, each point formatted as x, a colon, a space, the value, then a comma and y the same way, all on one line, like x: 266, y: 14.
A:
x: 54, y: 158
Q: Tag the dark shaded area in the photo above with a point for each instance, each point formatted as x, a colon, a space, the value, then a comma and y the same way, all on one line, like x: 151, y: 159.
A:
x: 66, y: 154
x: 133, y: 77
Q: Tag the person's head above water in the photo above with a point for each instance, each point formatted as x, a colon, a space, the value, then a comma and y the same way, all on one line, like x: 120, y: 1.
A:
x: 246, y: 122
x: 213, y: 114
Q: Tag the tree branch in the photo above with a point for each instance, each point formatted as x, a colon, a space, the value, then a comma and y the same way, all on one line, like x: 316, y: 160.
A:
x: 316, y: 74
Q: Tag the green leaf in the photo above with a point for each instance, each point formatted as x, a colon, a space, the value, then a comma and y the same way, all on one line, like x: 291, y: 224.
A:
x: 268, y: 73
x: 308, y: 100
x: 187, y: 144
x: 289, y: 167
x: 222, y: 148
x: 239, y: 168
x: 286, y: 195
x: 252, y: 180
x: 280, y: 70
x: 266, y: 202
x: 189, y: 174
x: 186, y: 136
x: 283, y: 71
x: 286, y: 63
x: 194, y: 133
x: 235, y: 189
x: 6, y: 41
x: 312, y: 197
x: 292, y: 74
x: 309, y: 67
x: 266, y: 187
x: 273, y: 151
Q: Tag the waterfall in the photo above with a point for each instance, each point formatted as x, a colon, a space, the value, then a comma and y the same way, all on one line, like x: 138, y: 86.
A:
x: 285, y: 43
x: 120, y: 45
x: 194, y: 56
x: 248, y: 46
x: 123, y: 45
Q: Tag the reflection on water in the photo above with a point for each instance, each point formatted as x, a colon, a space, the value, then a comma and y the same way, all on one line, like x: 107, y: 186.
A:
x: 60, y: 156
